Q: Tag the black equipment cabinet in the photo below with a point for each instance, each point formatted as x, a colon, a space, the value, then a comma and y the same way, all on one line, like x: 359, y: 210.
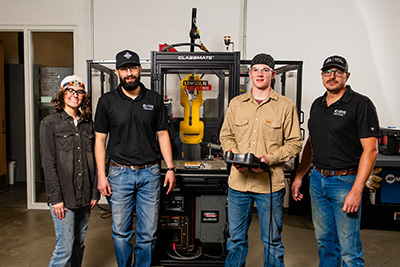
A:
x: 193, y: 220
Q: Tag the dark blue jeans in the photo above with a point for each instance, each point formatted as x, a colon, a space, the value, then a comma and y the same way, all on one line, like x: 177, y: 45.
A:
x: 140, y: 188
x: 240, y: 211
x: 337, y: 232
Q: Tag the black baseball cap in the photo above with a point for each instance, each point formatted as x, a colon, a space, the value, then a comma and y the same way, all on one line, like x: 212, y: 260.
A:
x: 262, y: 58
x: 335, y: 61
x: 127, y: 57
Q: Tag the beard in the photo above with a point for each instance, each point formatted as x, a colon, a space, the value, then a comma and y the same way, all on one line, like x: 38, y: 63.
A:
x: 130, y: 86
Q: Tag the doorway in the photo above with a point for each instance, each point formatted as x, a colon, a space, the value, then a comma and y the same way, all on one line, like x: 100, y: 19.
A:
x: 13, y: 156
x: 53, y: 59
x: 31, y: 81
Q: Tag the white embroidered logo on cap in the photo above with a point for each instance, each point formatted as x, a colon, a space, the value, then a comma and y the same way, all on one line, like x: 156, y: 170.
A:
x: 339, y: 60
x: 334, y: 59
x: 127, y: 55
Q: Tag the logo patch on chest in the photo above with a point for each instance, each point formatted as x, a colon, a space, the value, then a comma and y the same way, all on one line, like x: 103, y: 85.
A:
x: 148, y: 107
x: 338, y: 112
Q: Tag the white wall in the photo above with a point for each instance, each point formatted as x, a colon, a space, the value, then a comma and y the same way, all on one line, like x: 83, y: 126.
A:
x: 47, y: 15
x: 366, y: 32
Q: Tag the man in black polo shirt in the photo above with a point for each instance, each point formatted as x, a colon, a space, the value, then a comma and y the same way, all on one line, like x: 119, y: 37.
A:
x: 135, y: 121
x: 342, y: 147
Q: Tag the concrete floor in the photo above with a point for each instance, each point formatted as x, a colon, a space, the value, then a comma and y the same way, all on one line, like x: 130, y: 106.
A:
x: 27, y: 238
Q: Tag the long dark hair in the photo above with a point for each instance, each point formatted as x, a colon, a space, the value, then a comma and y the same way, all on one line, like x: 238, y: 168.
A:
x: 84, y: 108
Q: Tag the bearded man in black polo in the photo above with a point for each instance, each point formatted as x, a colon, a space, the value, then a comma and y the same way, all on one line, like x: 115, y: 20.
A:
x: 135, y: 121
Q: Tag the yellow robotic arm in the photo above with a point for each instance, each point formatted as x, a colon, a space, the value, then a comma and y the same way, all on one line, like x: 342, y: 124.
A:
x: 191, y: 128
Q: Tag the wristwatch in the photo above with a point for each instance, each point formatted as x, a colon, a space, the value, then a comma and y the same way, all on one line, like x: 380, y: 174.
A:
x: 171, y: 169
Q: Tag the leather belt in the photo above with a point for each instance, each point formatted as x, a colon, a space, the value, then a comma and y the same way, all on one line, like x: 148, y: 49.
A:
x: 132, y: 167
x: 329, y: 173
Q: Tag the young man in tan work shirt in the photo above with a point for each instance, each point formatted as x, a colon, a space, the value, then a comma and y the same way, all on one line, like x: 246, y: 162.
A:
x: 266, y: 124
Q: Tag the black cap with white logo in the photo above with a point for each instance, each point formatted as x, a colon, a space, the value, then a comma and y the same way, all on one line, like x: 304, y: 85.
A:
x: 127, y: 57
x: 335, y: 61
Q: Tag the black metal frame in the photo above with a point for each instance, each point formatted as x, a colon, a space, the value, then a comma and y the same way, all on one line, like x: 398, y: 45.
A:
x: 162, y: 61
x: 169, y: 60
x: 96, y: 64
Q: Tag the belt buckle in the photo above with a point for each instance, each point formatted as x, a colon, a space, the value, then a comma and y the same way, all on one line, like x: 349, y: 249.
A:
x: 133, y: 168
x: 326, y: 173
x: 137, y: 167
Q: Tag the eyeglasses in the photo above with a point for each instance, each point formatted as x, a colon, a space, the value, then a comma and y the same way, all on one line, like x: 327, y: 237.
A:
x: 73, y: 91
x: 338, y: 73
x: 126, y: 68
x: 261, y: 70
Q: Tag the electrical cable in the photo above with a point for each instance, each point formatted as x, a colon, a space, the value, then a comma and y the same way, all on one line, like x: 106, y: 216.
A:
x: 106, y: 214
x: 216, y: 257
x: 166, y: 48
x: 181, y: 257
x: 270, y: 215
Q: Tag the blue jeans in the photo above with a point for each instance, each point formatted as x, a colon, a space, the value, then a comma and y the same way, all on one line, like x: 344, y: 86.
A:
x: 70, y: 233
x: 140, y: 188
x: 337, y: 232
x: 240, y: 210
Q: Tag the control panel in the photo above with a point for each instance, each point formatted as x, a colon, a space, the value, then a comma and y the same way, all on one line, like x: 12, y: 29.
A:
x: 175, y: 229
x: 245, y: 160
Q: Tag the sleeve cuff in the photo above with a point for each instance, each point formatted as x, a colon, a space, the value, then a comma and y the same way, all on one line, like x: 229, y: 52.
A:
x: 55, y: 199
x: 272, y: 159
x: 96, y: 194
